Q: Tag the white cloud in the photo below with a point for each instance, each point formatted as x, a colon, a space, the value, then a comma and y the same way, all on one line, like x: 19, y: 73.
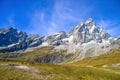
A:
x: 36, y: 22
x: 103, y: 23
x: 63, y: 15
x: 61, y: 18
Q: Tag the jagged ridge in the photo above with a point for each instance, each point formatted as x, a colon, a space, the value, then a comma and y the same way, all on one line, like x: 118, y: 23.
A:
x: 84, y: 40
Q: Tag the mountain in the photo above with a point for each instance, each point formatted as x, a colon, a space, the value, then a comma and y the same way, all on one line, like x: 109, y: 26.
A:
x: 88, y: 40
x: 10, y: 36
x: 55, y: 39
x: 88, y: 31
x: 12, y: 39
x: 84, y: 40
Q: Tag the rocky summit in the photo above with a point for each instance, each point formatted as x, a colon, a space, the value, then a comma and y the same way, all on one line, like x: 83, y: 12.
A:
x: 84, y: 40
x: 88, y: 31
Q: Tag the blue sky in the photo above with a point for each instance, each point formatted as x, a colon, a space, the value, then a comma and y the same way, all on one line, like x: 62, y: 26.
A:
x: 45, y: 17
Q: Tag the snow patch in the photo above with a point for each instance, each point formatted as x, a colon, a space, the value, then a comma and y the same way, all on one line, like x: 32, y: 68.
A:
x: 70, y: 39
x: 44, y: 44
x: 115, y: 39
x: 11, y: 45
x: 105, y: 41
x: 29, y: 49
x: 92, y: 28
x: 18, y: 31
x: 35, y: 42
x: 58, y: 36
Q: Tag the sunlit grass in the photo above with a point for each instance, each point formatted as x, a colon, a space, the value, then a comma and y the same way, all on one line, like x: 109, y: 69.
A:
x: 109, y: 58
x: 55, y: 72
x: 77, y: 71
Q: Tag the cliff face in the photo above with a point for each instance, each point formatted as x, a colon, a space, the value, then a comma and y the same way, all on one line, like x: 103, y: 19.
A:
x: 54, y: 58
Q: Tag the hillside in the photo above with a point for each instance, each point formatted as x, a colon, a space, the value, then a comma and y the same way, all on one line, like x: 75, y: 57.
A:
x: 105, y: 67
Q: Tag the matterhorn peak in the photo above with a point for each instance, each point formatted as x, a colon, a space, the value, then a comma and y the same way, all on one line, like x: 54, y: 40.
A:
x: 88, y: 31
x: 89, y: 20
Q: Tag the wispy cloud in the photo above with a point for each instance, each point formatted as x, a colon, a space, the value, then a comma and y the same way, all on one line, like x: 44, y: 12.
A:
x: 62, y: 17
x: 36, y: 22
x: 47, y: 17
x: 110, y: 26
x: 66, y: 13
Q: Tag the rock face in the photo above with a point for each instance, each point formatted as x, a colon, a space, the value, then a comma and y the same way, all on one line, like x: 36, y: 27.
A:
x: 10, y: 36
x: 33, y: 40
x: 54, y: 58
x: 12, y: 39
x: 55, y: 39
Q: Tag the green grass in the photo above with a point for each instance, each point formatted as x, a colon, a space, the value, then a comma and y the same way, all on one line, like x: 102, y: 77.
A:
x: 75, y: 71
x: 55, y: 72
x: 10, y: 73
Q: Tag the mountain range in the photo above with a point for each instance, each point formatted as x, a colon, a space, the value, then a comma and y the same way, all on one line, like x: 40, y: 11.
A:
x: 84, y: 40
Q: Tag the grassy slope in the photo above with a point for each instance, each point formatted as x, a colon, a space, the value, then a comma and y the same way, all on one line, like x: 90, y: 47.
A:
x: 55, y: 72
x: 29, y: 56
x: 109, y: 58
x: 75, y: 71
